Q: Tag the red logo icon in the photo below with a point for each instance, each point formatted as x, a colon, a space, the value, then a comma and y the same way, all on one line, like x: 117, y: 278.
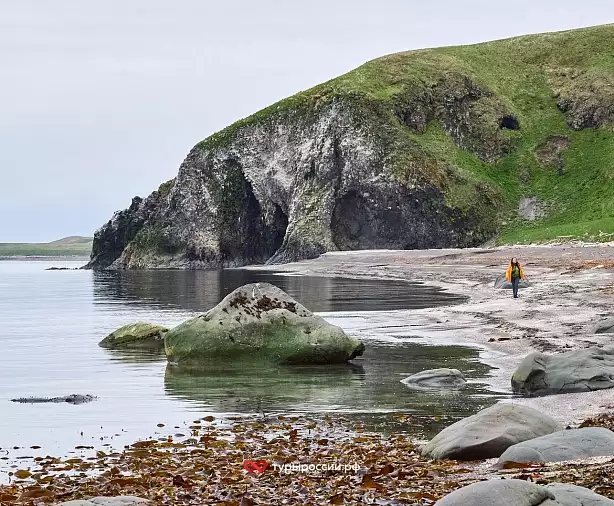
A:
x: 257, y: 466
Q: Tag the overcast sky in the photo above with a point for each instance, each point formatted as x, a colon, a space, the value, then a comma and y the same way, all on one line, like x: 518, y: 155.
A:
x: 101, y: 101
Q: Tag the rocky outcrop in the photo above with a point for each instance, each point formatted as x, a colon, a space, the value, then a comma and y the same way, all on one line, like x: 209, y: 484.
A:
x: 489, y: 433
x: 259, y: 322
x: 502, y: 284
x: 563, y: 445
x: 70, y: 399
x: 136, y: 335
x: 523, y: 493
x: 605, y: 327
x: 572, y: 371
x: 550, y: 154
x: 435, y: 379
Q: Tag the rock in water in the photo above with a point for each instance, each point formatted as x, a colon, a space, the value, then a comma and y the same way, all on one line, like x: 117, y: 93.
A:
x: 122, y: 500
x: 136, y: 335
x: 502, y: 284
x: 435, y: 379
x: 499, y: 493
x: 562, y: 445
x: 572, y: 371
x: 488, y: 433
x: 605, y: 327
x: 70, y: 399
x: 259, y: 322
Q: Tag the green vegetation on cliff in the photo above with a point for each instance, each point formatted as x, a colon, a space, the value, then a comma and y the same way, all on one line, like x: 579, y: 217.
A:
x: 524, y: 118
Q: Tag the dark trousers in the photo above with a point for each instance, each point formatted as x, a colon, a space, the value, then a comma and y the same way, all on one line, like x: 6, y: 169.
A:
x: 515, y: 282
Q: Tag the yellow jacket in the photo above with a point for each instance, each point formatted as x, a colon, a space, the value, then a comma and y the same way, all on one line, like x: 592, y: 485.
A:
x: 508, y: 272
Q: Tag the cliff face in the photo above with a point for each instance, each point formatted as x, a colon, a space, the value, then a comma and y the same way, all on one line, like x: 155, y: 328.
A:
x: 415, y: 150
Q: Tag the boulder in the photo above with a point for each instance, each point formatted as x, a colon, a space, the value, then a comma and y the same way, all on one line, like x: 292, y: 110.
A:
x: 488, y: 433
x: 259, y: 322
x: 503, y: 284
x: 572, y: 495
x: 122, y: 500
x: 498, y: 492
x: 605, y: 327
x: 563, y: 445
x: 136, y: 335
x: 572, y: 371
x: 522, y: 493
x: 435, y: 379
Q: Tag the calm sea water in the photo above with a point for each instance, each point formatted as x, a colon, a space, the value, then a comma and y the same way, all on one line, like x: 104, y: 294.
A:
x: 52, y: 321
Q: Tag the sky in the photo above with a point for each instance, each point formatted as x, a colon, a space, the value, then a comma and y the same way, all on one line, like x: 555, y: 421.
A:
x: 101, y: 101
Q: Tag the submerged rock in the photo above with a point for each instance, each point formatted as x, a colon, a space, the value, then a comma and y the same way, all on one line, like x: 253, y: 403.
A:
x: 502, y: 284
x: 488, y: 433
x: 136, y: 335
x: 435, y: 379
x: 70, y: 399
x: 572, y: 371
x: 562, y: 445
x: 605, y: 327
x: 259, y: 322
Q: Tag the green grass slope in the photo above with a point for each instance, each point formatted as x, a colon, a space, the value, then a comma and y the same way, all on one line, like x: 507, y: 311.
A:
x: 556, y: 85
x: 68, y: 246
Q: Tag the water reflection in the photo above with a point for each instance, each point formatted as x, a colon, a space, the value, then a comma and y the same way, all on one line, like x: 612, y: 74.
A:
x: 201, y: 290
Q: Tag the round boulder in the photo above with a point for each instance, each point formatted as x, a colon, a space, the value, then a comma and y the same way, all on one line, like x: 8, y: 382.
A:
x: 136, y: 335
x: 503, y: 284
x: 605, y: 327
x: 435, y: 379
x: 259, y: 322
x: 499, y: 492
x: 562, y: 445
x: 572, y: 371
x: 488, y: 433
x: 572, y: 495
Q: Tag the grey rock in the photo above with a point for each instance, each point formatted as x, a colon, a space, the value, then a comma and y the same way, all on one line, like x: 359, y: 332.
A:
x: 502, y: 284
x: 488, y: 433
x: 572, y: 371
x: 70, y: 399
x: 499, y: 493
x: 563, y: 445
x: 259, y: 322
x: 572, y: 495
x: 122, y: 500
x: 605, y: 327
x: 435, y: 379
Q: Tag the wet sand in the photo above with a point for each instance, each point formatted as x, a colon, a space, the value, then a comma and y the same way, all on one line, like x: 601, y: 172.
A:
x: 572, y: 289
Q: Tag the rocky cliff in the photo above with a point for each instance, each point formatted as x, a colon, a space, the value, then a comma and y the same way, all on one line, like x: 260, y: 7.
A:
x: 423, y: 149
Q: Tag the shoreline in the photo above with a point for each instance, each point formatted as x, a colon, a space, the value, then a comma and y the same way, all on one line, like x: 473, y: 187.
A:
x: 572, y: 289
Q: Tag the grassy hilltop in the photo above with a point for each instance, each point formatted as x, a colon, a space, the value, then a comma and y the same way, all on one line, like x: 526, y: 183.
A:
x: 555, y: 144
x: 68, y: 246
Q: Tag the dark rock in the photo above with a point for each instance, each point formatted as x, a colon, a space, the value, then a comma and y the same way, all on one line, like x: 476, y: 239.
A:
x: 259, y: 322
x: 70, y: 399
x: 571, y: 371
x: 563, y: 445
x: 435, y: 379
x: 488, y: 433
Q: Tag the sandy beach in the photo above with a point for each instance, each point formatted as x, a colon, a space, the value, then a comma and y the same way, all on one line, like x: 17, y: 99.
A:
x: 572, y: 288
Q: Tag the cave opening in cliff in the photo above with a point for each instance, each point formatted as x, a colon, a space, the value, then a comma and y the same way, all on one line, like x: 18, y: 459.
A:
x: 509, y: 123
x: 278, y: 227
x: 350, y: 221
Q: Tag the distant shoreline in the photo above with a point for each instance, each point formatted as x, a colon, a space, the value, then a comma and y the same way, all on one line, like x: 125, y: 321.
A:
x: 67, y: 247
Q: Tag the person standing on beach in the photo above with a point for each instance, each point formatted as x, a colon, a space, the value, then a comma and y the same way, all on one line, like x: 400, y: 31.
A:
x: 514, y: 274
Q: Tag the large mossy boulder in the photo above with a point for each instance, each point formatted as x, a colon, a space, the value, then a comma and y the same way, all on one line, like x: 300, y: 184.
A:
x: 605, y: 327
x: 515, y: 492
x: 488, y: 433
x: 572, y: 371
x: 136, y: 335
x: 259, y: 322
x: 436, y: 379
x: 562, y: 445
